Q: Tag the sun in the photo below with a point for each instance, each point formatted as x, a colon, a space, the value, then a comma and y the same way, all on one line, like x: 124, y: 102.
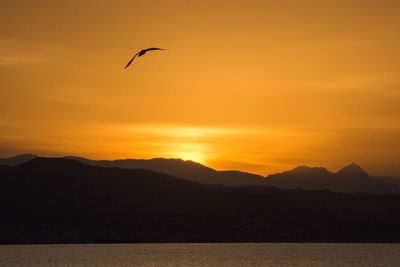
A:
x: 190, y: 151
x: 184, y: 142
x: 191, y: 155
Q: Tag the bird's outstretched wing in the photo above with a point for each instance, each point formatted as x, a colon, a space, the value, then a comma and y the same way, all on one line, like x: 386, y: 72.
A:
x: 129, y: 63
x: 154, y: 48
x: 142, y: 52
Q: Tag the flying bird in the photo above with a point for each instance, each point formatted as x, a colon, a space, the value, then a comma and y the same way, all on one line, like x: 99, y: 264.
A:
x: 141, y: 53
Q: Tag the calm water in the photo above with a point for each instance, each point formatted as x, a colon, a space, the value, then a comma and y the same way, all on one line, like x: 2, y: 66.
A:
x: 264, y: 254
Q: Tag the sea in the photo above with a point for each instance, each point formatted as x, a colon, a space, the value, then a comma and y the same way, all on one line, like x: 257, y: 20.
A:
x: 202, y: 254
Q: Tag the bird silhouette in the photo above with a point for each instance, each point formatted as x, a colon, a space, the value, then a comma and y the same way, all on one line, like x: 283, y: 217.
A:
x: 141, y: 53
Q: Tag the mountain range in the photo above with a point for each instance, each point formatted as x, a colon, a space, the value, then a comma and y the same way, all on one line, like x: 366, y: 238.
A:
x: 58, y: 200
x: 350, y: 179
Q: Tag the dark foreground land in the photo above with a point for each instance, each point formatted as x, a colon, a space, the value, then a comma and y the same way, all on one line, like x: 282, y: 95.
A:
x: 65, y: 201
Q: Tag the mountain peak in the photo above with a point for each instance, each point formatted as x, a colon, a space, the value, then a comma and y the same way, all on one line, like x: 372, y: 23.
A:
x: 352, y: 169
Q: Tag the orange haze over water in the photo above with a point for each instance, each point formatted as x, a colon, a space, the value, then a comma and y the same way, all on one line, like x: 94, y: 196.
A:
x: 259, y: 86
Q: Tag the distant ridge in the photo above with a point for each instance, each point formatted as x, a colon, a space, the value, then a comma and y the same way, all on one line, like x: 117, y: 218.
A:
x: 17, y: 160
x: 350, y: 179
x: 315, y: 178
x: 185, y: 169
x: 389, y: 180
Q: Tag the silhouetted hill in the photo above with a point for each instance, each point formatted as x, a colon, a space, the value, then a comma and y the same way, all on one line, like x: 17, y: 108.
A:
x: 187, y: 169
x: 353, y: 170
x: 60, y: 200
x: 350, y: 179
x: 19, y: 159
x: 353, y: 179
x: 303, y: 177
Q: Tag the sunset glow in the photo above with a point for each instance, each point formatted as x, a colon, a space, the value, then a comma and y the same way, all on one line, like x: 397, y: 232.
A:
x: 260, y: 86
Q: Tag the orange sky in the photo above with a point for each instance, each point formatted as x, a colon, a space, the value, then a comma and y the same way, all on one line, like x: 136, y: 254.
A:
x: 259, y: 86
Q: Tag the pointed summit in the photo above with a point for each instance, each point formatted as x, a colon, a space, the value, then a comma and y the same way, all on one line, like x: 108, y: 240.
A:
x: 353, y: 170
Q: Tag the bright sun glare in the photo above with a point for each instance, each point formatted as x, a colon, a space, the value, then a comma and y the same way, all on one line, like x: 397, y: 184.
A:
x: 184, y: 142
x: 190, y: 155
